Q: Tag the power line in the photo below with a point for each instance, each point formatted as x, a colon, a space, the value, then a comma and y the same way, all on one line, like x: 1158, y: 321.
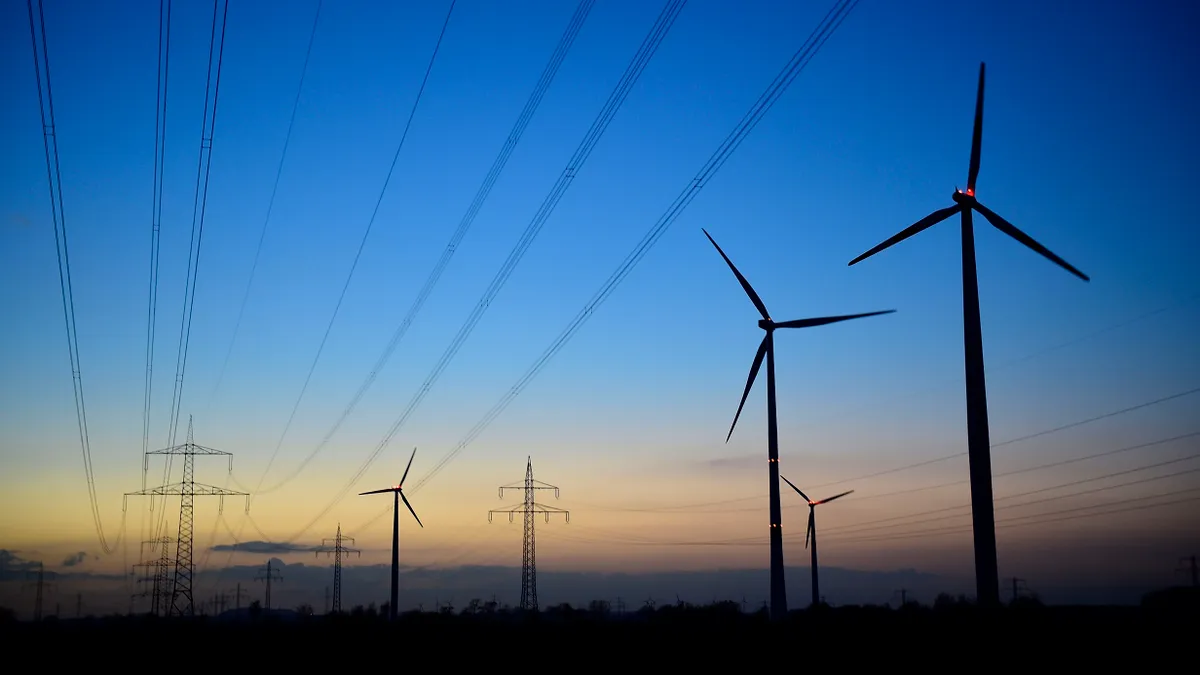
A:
x: 160, y: 142
x: 510, y: 144
x: 615, y: 100
x: 798, y: 62
x: 1035, y: 519
x: 270, y: 204
x: 1038, y: 519
x: 212, y: 86
x: 1072, y: 425
x: 58, y: 215
x: 1016, y: 440
x: 856, y: 528
x: 362, y: 243
x: 680, y: 510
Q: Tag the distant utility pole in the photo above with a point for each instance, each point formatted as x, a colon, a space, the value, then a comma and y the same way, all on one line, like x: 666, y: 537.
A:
x: 237, y: 597
x: 903, y: 595
x: 338, y: 549
x: 1191, y: 567
x: 181, y: 603
x: 157, y: 575
x: 1016, y: 587
x: 39, y: 598
x: 268, y: 574
x: 529, y: 601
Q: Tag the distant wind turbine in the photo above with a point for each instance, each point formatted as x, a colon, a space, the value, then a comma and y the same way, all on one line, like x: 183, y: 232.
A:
x: 812, y: 533
x: 767, y: 349
x: 398, y: 494
x: 987, y: 577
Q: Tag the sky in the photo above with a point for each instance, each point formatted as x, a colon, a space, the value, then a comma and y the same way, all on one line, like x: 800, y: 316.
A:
x: 1087, y: 136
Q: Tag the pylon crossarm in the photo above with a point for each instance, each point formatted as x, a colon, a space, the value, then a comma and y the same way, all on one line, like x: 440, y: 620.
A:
x: 189, y: 449
x: 198, y: 489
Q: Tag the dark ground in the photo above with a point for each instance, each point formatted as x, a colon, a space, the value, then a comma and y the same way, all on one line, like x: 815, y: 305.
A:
x: 1163, y: 632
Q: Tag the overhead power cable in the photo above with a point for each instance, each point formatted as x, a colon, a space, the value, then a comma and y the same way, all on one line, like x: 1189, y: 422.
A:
x: 683, y: 509
x: 510, y: 144
x: 212, y: 89
x: 884, y: 523
x: 160, y: 143
x: 41, y: 61
x: 943, y: 458
x: 794, y: 67
x: 354, y: 265
x: 633, y: 71
x: 361, y: 244
x: 287, y: 139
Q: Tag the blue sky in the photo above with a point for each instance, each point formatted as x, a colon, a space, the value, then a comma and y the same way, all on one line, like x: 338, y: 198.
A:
x: 1088, y: 137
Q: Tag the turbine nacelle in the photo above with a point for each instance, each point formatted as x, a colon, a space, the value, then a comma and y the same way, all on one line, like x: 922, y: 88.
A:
x: 964, y: 202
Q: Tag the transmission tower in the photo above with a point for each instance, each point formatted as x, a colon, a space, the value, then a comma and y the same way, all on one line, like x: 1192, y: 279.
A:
x: 156, y: 575
x: 179, y: 598
x: 1018, y: 585
x: 40, y: 585
x: 529, y: 507
x: 268, y: 574
x: 237, y: 598
x: 338, y: 549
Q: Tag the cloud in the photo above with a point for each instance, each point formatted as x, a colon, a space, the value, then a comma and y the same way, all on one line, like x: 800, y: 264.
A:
x: 264, y: 547
x: 75, y: 559
x: 13, y: 566
x: 738, y: 463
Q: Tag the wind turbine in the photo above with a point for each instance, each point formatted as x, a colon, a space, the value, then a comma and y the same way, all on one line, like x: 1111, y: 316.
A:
x: 812, y: 533
x: 767, y: 349
x: 987, y: 578
x: 398, y: 494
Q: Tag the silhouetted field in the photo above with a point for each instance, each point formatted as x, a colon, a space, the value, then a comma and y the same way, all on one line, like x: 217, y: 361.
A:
x: 1069, y: 635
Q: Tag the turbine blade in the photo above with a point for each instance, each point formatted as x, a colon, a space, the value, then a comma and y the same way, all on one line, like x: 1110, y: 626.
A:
x: 410, y: 459
x: 377, y: 492
x: 758, y: 303
x: 795, y: 488
x: 1011, y: 230
x: 922, y: 224
x: 410, y: 508
x: 829, y: 499
x: 812, y: 525
x: 977, y: 137
x: 758, y: 359
x: 809, y: 323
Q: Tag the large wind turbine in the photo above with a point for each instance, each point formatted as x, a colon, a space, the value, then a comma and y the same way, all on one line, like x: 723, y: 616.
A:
x: 398, y: 494
x: 987, y: 578
x: 767, y: 349
x: 812, y: 533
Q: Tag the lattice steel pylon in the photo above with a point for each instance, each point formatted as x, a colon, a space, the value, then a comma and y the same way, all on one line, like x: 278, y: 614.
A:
x: 178, y: 599
x: 529, y: 507
x: 159, y: 596
x: 338, y: 549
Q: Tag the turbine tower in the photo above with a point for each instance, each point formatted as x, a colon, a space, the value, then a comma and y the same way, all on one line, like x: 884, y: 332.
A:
x: 338, y: 549
x: 179, y: 598
x: 987, y: 576
x: 767, y: 349
x: 397, y: 494
x: 811, y: 533
x: 529, y: 507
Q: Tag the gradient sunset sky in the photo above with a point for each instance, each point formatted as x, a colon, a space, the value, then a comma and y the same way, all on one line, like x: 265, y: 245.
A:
x: 1089, y: 145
